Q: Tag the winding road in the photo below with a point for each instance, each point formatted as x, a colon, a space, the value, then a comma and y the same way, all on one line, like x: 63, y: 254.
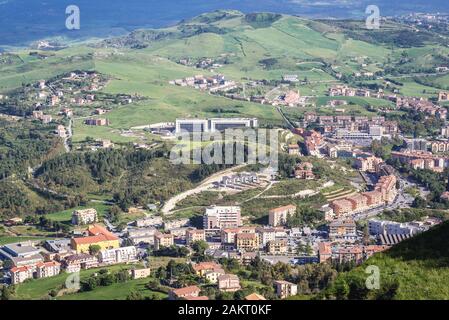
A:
x: 203, y: 186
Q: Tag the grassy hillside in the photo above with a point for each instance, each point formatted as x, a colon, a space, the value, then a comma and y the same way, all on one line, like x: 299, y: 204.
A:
x: 414, y: 269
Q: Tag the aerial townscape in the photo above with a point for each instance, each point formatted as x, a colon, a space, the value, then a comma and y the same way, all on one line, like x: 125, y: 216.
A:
x: 93, y: 206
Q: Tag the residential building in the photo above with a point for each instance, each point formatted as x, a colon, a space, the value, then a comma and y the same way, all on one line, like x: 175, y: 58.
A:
x: 368, y: 164
x: 203, y: 267
x: 278, y: 216
x: 163, y: 240
x: 118, y: 255
x: 228, y: 235
x: 212, y: 276
x: 247, y: 242
x: 140, y: 273
x: 293, y: 149
x: 177, y: 223
x: 343, y: 230
x: 304, y: 171
x: 149, y: 222
x: 183, y: 293
x: 193, y: 235
x: 86, y: 216
x: 97, y: 122
x: 142, y: 235
x: 254, y: 297
x: 76, y: 262
x: 277, y: 247
x: 219, y: 217
x: 324, y: 252
x: 20, y: 274
x: 285, y: 289
x: 228, y: 283
x: 48, y: 269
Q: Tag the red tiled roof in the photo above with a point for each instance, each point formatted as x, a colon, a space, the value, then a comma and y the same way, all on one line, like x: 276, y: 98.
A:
x: 197, y: 298
x: 255, y: 296
x: 206, y: 266
x: 48, y: 264
x: 186, y: 291
x: 19, y: 269
x: 97, y: 234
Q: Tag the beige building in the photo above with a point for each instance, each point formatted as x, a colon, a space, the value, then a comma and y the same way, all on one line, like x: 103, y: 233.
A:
x: 285, y: 289
x: 342, y: 229
x: 247, y: 241
x: 213, y: 275
x: 368, y: 164
x: 48, y: 269
x: 163, y: 240
x: 193, y: 235
x: 278, y: 216
x: 140, y: 273
x: 277, y: 247
x: 86, y: 216
x: 229, y: 283
x: 20, y: 274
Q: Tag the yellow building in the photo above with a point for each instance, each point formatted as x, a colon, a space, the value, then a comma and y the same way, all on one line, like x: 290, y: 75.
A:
x: 99, y: 236
x: 247, y: 241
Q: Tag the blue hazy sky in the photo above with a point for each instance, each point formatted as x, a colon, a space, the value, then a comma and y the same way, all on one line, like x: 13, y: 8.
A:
x: 26, y: 20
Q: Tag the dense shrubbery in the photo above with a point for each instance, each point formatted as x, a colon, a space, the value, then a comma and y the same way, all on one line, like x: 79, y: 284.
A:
x: 103, y: 279
x: 23, y: 146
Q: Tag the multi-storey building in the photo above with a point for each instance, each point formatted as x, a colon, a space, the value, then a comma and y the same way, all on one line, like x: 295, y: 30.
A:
x: 118, y: 255
x: 278, y: 216
x: 48, y: 269
x: 368, y: 164
x: 217, y: 217
x: 163, y: 240
x: 277, y: 247
x: 228, y: 283
x: 98, y: 235
x: 342, y: 230
x: 20, y: 274
x: 86, y: 216
x: 247, y: 242
x: 285, y: 289
x: 193, y: 235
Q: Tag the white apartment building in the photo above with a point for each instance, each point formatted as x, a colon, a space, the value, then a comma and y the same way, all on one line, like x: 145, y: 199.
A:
x: 377, y: 227
x: 118, y: 255
x: 48, y: 269
x: 219, y: 217
x: 87, y: 216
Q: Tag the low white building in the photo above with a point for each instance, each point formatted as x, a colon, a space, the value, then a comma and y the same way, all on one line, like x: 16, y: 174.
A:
x: 378, y: 227
x: 118, y: 255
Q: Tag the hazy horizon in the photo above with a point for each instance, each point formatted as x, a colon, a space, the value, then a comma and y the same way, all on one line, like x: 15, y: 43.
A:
x: 23, y: 21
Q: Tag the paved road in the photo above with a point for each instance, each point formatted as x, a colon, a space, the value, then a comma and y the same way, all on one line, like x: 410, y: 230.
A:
x: 68, y: 136
x: 205, y: 185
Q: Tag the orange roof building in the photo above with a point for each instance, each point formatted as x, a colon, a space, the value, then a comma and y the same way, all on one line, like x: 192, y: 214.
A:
x: 98, y: 235
x: 190, y: 292
x: 254, y: 296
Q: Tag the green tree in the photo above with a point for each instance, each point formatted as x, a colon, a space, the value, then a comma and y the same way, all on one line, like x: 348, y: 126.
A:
x: 94, y: 249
